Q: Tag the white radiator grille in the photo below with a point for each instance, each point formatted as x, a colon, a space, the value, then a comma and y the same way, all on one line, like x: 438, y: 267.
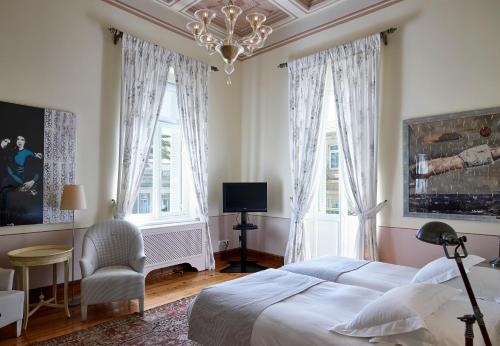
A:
x: 172, y: 246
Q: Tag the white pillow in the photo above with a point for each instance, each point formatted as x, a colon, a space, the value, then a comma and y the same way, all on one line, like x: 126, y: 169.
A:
x: 399, y: 310
x: 444, y: 269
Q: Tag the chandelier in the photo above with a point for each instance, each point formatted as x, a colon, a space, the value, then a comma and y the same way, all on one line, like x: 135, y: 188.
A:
x: 229, y: 48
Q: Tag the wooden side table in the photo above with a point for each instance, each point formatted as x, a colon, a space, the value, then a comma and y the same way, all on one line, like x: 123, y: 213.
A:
x: 38, y: 256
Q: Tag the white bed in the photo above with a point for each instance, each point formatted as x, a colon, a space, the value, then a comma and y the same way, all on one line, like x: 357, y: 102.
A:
x: 305, y: 319
x: 305, y: 316
x: 382, y: 277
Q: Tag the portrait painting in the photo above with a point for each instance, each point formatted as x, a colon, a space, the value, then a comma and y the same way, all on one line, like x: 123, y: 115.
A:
x: 21, y: 146
x: 452, y: 165
x: 37, y: 147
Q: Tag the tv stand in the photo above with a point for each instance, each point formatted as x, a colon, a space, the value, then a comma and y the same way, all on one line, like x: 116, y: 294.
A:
x: 243, y: 265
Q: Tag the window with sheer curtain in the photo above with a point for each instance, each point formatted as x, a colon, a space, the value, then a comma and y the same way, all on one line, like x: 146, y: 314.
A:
x: 328, y: 221
x: 165, y: 193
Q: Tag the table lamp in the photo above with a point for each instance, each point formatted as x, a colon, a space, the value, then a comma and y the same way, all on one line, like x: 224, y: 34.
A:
x: 440, y: 233
x: 73, y: 198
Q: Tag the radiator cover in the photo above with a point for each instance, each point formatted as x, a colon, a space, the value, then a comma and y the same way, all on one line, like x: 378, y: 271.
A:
x: 165, y: 246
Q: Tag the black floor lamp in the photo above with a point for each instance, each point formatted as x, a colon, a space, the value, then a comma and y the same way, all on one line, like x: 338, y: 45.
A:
x: 440, y: 233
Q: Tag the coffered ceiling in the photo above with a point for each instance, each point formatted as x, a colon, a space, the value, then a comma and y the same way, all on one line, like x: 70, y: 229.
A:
x: 290, y: 19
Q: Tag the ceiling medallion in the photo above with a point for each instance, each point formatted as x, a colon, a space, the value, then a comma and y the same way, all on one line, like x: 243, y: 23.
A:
x: 229, y: 48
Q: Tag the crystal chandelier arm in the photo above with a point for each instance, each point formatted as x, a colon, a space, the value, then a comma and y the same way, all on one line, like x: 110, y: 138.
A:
x: 231, y: 13
x: 205, y: 16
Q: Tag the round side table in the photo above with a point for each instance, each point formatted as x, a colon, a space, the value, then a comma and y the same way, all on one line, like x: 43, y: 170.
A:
x: 38, y: 256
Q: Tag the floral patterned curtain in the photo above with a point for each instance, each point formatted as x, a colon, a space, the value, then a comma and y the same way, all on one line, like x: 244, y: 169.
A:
x: 306, y: 84
x: 144, y: 79
x: 355, y: 68
x: 192, y: 95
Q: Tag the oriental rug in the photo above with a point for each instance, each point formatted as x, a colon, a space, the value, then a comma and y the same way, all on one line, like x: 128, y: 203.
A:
x: 163, y: 325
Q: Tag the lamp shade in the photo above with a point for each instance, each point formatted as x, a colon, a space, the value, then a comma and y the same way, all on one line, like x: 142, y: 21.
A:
x: 73, y: 198
x: 436, y: 232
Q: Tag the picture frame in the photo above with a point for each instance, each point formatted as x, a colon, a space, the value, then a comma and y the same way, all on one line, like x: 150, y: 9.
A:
x: 37, y: 158
x: 451, y: 166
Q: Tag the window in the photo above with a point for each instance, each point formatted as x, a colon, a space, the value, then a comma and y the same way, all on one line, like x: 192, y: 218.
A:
x: 330, y: 230
x: 329, y: 185
x: 165, y: 193
x: 334, y: 156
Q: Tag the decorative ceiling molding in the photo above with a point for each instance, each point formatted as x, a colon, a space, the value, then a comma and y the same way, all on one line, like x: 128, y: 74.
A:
x: 347, y: 18
x: 291, y: 20
x: 309, y: 6
x: 168, y: 3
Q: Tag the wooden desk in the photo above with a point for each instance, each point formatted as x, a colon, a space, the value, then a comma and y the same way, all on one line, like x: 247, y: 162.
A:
x: 38, y: 256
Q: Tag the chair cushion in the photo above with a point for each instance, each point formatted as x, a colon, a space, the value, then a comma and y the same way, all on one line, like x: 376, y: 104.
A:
x: 112, y: 283
x: 11, y: 306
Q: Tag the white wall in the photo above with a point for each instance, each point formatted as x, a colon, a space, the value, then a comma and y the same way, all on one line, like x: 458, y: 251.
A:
x: 444, y: 57
x: 59, y: 54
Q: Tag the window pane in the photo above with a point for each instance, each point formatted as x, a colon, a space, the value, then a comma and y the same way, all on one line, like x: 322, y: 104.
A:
x: 332, y: 196
x: 169, y: 111
x: 165, y: 202
x: 166, y: 168
x: 143, y: 202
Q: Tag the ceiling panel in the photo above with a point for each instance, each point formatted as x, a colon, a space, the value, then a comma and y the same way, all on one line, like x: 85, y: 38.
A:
x: 290, y: 19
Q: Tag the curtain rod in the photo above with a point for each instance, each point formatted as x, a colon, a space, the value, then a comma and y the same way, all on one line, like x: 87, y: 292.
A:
x: 383, y: 37
x: 117, y: 35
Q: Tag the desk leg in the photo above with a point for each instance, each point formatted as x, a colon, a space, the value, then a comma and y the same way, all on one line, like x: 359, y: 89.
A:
x: 54, y: 282
x: 26, y: 289
x: 66, y: 277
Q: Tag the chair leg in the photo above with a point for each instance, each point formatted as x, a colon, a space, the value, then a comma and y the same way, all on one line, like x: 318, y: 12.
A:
x: 141, y: 305
x: 19, y: 325
x: 83, y: 311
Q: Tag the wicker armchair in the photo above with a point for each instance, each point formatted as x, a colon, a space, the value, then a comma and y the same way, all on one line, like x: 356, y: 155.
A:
x: 112, y: 264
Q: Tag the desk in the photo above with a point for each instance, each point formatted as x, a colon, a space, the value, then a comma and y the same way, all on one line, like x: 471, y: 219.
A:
x: 38, y: 256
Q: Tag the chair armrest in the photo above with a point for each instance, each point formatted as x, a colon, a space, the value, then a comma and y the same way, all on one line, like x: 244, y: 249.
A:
x: 137, y: 258
x: 87, y: 266
x: 138, y: 263
x: 6, y: 279
x: 88, y: 261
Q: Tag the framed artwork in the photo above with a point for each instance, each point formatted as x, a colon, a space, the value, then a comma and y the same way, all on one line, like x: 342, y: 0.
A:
x: 451, y: 166
x: 37, y: 157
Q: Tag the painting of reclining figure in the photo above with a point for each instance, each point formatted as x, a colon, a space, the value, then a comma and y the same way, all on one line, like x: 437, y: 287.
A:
x: 452, y: 165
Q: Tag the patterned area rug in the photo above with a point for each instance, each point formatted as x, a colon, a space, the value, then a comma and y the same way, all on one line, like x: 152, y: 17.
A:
x: 164, y: 325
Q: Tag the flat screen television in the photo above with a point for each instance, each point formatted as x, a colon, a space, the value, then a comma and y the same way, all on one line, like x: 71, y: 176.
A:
x: 244, y: 197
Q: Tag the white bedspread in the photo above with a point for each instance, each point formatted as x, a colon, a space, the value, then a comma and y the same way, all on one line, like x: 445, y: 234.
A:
x: 225, y: 314
x: 385, y: 276
x: 305, y: 319
x: 379, y: 276
x: 327, y: 267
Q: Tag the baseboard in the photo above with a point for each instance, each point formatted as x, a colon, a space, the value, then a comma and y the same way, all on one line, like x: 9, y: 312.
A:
x: 232, y: 254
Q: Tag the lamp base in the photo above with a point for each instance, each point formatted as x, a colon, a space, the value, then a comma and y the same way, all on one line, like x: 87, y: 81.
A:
x: 495, y: 263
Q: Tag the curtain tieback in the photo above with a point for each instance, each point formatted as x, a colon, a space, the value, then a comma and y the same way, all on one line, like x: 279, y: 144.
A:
x: 372, y: 212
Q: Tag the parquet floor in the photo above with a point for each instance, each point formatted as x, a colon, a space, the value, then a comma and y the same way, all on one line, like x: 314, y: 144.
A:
x: 160, y: 289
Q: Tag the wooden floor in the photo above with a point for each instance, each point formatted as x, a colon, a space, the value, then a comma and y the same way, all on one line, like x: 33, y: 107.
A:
x: 160, y: 289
